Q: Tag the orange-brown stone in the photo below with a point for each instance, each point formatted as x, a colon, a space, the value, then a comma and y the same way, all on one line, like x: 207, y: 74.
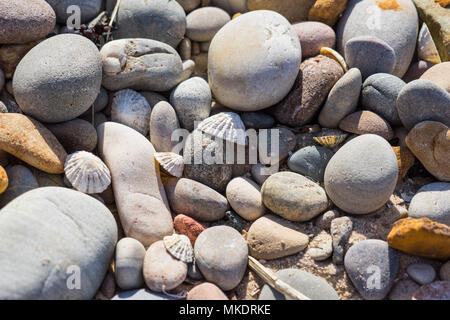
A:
x: 327, y: 11
x: 188, y: 226
x: 405, y: 160
x: 3, y: 180
x: 421, y: 237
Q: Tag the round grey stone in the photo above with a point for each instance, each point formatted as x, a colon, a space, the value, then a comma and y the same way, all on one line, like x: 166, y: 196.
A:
x: 261, y: 172
x: 59, y: 79
x: 421, y: 273
x: 203, y: 23
x: 379, y: 94
x: 128, y: 263
x: 75, y: 135
x: 444, y: 272
x: 310, y: 161
x: 89, y: 9
x: 221, y: 254
x: 432, y: 201
x: 372, y: 267
x: 71, y: 234
x: 257, y: 120
x: 20, y: 180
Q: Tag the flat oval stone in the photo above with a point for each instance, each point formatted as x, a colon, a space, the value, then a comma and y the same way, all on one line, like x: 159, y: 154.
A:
x: 365, y: 122
x: 162, y: 272
x: 203, y: 23
x: 196, y: 200
x: 221, y: 255
x: 257, y: 120
x: 192, y: 101
x: 314, y: 35
x: 20, y: 180
x: 293, y: 197
x: 128, y: 263
x: 439, y: 74
x: 310, y: 161
x: 306, y: 283
x: 419, y: 93
x: 245, y: 198
x: 379, y: 94
x: 188, y: 226
x: 89, y: 9
x: 242, y: 58
x: 140, y: 64
x: 372, y: 267
x: 24, y: 21
x: 75, y: 135
x: 206, y: 291
x: 432, y: 201
x: 163, y: 122
x: 49, y: 94
x: 140, y: 197
x: 81, y: 225
x: 354, y: 180
x: 159, y: 20
x: 342, y: 99
x: 421, y: 273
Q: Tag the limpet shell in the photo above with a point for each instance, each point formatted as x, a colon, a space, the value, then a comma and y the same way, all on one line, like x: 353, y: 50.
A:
x: 86, y: 172
x: 171, y: 162
x: 333, y: 54
x: 179, y: 246
x: 426, y: 49
x: 132, y: 109
x: 330, y: 138
x: 226, y: 126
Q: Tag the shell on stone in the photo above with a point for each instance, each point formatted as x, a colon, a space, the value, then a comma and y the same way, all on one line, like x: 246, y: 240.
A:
x: 179, y: 246
x: 333, y: 54
x: 86, y: 172
x: 426, y: 48
x: 132, y: 109
x: 330, y: 138
x: 171, y: 162
x: 226, y: 126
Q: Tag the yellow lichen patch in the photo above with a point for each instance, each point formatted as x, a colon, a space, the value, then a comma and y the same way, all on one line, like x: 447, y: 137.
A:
x: 236, y: 15
x: 405, y: 160
x: 388, y: 4
x: 3, y: 180
x: 421, y: 237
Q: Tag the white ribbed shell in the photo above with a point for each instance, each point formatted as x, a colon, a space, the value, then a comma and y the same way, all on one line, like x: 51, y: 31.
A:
x: 171, y: 162
x: 86, y: 172
x: 132, y: 109
x: 179, y: 246
x: 226, y: 126
x: 426, y: 49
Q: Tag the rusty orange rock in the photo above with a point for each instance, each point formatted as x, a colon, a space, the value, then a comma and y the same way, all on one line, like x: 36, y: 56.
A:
x: 421, y: 237
x: 188, y: 226
x: 3, y: 180
x: 327, y: 11
x: 405, y: 160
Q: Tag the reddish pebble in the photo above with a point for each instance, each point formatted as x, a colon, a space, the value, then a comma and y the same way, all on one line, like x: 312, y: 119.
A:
x: 188, y: 226
x: 206, y: 291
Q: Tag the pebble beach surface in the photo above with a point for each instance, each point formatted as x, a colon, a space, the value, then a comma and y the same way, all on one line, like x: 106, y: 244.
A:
x: 157, y: 150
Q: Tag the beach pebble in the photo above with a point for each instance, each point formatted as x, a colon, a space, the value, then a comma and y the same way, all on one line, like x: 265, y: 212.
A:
x: 310, y: 161
x: 25, y: 20
x: 185, y: 49
x: 188, y: 226
x: 244, y: 197
x: 271, y: 237
x: 188, y: 69
x: 419, y: 93
x: 189, y: 5
x: 293, y: 10
x: 293, y: 197
x: 192, y: 101
x: 141, y: 294
x: 416, y: 70
x: 11, y: 54
x: 439, y: 74
x: 379, y: 94
x: 20, y: 180
x: 403, y: 290
x: 46, y: 93
x: 140, y: 197
x: 372, y: 266
x: 257, y: 120
x: 206, y: 291
x: 314, y: 35
x: 324, y: 221
x: 196, y: 200
x: 342, y: 99
x: 140, y: 64
x: 231, y: 6
x: 75, y: 135
x: 321, y: 247
x: 247, y: 49
x: 444, y: 272
x: 327, y: 11
x: 432, y: 201
x: 365, y: 122
x: 102, y: 100
x: 163, y: 123
x: 283, y: 142
x: 162, y: 272
x: 313, y: 287
x: 203, y: 23
x: 159, y: 20
x: 89, y: 9
x: 340, y: 229
x: 438, y: 290
x: 316, y: 78
x: 260, y: 172
x: 88, y: 245
x: 429, y: 142
x: 405, y: 160
x: 3, y: 180
x: 354, y: 180
x: 28, y: 140
x: 221, y: 254
x: 193, y: 271
x: 128, y: 264
x: 421, y: 273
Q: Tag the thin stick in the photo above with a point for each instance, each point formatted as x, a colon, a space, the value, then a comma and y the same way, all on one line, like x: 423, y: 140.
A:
x: 113, y: 17
x: 96, y: 19
x: 272, y: 280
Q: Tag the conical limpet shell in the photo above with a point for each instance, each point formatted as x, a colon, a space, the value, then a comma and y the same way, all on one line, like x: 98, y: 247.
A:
x: 426, y: 49
x: 226, y: 126
x: 86, y: 172
x: 179, y: 246
x: 171, y: 162
x: 132, y: 109
x: 333, y: 54
x: 330, y: 138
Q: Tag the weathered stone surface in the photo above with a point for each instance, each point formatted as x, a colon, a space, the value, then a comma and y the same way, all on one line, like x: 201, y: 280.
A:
x: 432, y: 201
x: 206, y: 291
x: 366, y: 122
x: 128, y: 263
x: 340, y: 229
x: 163, y: 123
x: 321, y: 247
x: 244, y: 197
x: 188, y: 226
x: 327, y: 11
x: 82, y: 233
x: 313, y: 36
x: 140, y: 197
x: 293, y: 10
x: 438, y: 290
x: 324, y: 221
x: 75, y: 135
